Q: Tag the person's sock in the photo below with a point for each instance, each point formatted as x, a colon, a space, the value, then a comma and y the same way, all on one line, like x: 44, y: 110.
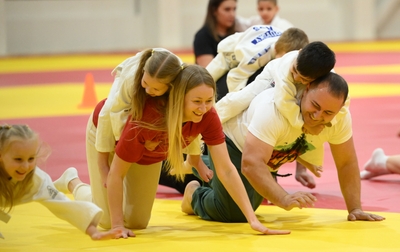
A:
x: 376, y: 165
x: 62, y: 182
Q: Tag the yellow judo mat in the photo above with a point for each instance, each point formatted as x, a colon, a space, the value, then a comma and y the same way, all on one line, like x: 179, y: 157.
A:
x: 34, y: 228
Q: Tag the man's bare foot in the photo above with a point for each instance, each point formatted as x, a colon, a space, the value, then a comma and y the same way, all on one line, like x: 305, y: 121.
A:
x: 186, y: 205
x: 375, y: 166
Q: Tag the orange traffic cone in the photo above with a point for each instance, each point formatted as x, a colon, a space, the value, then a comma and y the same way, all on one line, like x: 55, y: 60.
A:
x: 89, y: 99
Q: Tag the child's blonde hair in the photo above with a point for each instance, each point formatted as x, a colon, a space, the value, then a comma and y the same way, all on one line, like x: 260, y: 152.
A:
x: 290, y: 40
x: 192, y: 76
x: 10, y: 192
x: 159, y: 64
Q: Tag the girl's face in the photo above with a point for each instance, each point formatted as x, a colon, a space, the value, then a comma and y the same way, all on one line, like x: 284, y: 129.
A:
x: 267, y: 10
x: 20, y: 158
x: 198, y: 101
x: 152, y: 86
x: 226, y: 14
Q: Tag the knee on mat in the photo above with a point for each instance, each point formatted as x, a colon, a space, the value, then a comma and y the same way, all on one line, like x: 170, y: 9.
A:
x: 137, y: 224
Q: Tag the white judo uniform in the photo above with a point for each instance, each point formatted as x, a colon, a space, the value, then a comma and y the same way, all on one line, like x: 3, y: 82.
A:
x: 79, y: 213
x: 242, y: 54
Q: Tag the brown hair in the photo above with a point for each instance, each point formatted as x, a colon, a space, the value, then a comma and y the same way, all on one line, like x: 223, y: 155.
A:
x: 10, y: 193
x: 211, y: 20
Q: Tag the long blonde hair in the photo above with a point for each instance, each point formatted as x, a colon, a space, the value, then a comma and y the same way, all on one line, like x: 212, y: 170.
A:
x: 10, y: 193
x: 159, y: 64
x: 190, y: 77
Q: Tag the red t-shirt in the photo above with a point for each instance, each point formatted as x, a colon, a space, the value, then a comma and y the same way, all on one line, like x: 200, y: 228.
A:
x: 132, y: 144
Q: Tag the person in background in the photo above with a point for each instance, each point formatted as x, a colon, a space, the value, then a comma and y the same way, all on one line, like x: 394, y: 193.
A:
x: 219, y: 23
x: 21, y: 182
x: 380, y: 164
x: 267, y: 15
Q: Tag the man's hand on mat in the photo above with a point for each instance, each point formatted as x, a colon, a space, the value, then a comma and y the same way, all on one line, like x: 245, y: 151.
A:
x: 358, y: 214
x: 257, y: 226
x: 298, y: 199
x: 96, y: 235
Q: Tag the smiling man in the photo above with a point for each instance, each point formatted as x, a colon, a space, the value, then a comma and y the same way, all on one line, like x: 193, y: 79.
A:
x: 261, y: 139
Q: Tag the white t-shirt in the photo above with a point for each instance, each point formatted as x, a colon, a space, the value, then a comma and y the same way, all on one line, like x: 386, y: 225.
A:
x: 265, y: 122
x: 278, y: 22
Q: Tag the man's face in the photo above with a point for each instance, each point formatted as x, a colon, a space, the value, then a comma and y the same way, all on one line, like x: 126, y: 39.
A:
x: 318, y: 106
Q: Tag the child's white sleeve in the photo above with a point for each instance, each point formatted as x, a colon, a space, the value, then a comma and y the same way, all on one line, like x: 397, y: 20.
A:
x: 286, y: 102
x: 218, y: 66
x: 115, y: 111
x: 237, y: 77
x: 78, y: 213
x: 234, y: 103
x: 226, y: 58
x: 194, y: 148
x: 254, y: 44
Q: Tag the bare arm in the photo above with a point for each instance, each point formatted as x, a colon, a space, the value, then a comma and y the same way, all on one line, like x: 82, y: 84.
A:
x: 235, y: 102
x: 204, y: 60
x: 348, y: 173
x: 256, y: 155
x: 104, y: 167
x: 115, y: 180
x: 230, y: 178
x: 197, y: 162
x: 349, y: 178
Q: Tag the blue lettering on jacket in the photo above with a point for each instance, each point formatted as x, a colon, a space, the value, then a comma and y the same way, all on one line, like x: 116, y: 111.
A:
x: 270, y: 33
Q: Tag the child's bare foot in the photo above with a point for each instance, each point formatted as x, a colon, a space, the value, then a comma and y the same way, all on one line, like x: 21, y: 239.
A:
x: 186, y: 205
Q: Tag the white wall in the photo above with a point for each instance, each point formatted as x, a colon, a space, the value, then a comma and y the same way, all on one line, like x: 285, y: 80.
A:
x: 70, y: 26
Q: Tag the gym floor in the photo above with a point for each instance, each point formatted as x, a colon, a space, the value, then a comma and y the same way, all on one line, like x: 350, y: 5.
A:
x: 52, y: 94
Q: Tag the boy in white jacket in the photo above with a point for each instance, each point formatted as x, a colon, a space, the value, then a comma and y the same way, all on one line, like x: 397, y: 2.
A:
x: 267, y: 15
x: 244, y: 54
